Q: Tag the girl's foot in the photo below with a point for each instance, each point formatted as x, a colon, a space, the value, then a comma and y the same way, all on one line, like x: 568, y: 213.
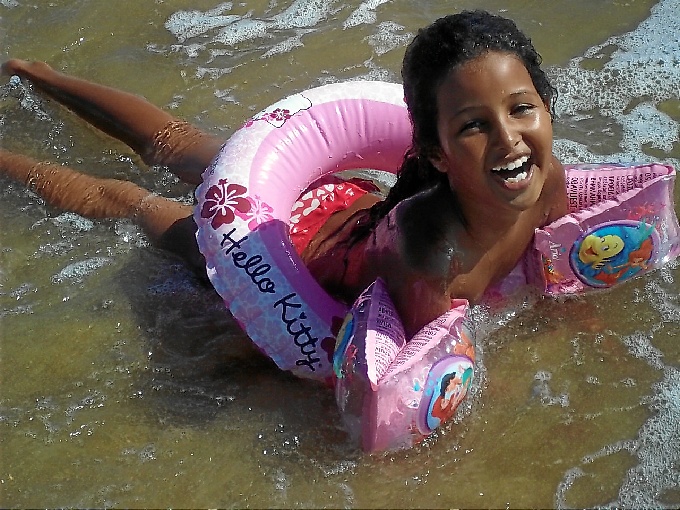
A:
x: 34, y: 71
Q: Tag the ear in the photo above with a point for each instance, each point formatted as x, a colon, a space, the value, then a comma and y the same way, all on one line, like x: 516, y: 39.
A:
x: 438, y: 160
x: 546, y: 105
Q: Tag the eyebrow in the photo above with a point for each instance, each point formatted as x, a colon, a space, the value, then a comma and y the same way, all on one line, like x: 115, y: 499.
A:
x: 524, y: 92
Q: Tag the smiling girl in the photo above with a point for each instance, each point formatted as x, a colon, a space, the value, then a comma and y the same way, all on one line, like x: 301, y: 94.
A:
x: 479, y: 178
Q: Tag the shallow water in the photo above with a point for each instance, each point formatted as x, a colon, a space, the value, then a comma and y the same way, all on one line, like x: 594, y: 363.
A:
x: 124, y: 383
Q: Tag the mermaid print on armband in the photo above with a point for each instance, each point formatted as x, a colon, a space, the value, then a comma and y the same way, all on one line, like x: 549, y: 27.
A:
x: 613, y: 252
x: 445, y: 388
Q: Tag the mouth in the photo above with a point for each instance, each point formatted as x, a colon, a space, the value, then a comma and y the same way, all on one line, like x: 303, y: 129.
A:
x: 516, y: 174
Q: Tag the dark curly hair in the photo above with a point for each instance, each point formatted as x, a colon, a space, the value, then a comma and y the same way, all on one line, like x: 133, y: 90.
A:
x: 436, y: 50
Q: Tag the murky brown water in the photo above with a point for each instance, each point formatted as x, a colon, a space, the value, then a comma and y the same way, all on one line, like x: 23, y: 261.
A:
x: 123, y: 381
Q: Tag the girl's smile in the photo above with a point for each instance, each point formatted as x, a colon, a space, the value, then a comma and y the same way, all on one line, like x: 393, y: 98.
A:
x: 495, y: 135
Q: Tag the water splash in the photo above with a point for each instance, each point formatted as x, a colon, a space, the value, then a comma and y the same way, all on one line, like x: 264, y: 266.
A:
x: 658, y: 450
x: 78, y: 271
x: 364, y: 14
x: 217, y: 29
x: 28, y: 101
x: 633, y: 73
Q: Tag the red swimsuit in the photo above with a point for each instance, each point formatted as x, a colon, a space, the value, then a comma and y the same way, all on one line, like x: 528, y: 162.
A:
x: 327, y: 196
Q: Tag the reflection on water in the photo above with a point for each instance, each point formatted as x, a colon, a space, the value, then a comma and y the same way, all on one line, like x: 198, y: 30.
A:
x: 125, y: 383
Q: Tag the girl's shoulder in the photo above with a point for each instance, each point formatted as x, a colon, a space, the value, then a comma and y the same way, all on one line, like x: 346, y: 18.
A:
x: 555, y: 192
x: 421, y: 234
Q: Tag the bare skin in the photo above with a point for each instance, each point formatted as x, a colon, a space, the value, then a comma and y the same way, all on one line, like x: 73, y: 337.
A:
x: 127, y: 117
x: 456, y: 259
x: 157, y: 136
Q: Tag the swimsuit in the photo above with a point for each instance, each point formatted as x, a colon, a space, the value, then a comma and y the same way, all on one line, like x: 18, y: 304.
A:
x: 324, y: 198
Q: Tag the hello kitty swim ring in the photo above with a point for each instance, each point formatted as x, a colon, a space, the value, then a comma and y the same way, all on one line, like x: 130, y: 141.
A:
x: 245, y: 202
x: 387, y: 387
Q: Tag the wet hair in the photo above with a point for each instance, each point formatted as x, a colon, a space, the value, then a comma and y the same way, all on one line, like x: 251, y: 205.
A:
x: 437, y: 49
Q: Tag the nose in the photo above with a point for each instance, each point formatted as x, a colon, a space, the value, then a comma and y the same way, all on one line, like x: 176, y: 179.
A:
x: 507, y: 135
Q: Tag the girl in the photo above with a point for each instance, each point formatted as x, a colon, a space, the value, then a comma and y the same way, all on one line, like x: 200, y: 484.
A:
x: 479, y: 178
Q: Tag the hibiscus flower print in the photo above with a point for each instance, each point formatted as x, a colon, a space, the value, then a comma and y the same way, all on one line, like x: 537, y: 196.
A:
x: 259, y: 212
x: 221, y: 202
x: 285, y: 110
x: 276, y: 117
x: 279, y: 115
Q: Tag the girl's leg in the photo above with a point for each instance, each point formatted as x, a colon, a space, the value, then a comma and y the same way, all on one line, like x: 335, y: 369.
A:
x: 167, y: 223
x: 158, y: 137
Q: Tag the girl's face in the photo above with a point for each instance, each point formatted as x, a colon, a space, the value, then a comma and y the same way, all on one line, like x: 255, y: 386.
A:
x: 495, y: 134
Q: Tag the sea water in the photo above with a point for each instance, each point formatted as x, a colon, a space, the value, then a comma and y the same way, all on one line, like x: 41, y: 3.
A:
x: 124, y: 382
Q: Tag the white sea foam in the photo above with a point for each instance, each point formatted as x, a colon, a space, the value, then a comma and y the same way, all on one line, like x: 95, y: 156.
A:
x: 287, y: 45
x: 657, y: 446
x: 657, y: 449
x: 188, y: 24
x: 215, y: 28
x: 241, y: 30
x: 364, y: 14
x: 635, y: 72
x: 304, y: 13
x: 389, y: 36
x: 73, y: 222
x: 76, y: 271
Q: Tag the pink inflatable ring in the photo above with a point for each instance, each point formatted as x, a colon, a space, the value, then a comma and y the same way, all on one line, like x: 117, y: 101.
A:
x: 245, y: 202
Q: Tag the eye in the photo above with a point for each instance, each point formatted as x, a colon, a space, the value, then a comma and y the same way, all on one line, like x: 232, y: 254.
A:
x: 472, y: 126
x: 523, y: 108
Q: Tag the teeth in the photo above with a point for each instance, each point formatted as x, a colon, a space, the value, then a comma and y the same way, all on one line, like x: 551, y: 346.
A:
x: 519, y: 177
x: 512, y: 165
